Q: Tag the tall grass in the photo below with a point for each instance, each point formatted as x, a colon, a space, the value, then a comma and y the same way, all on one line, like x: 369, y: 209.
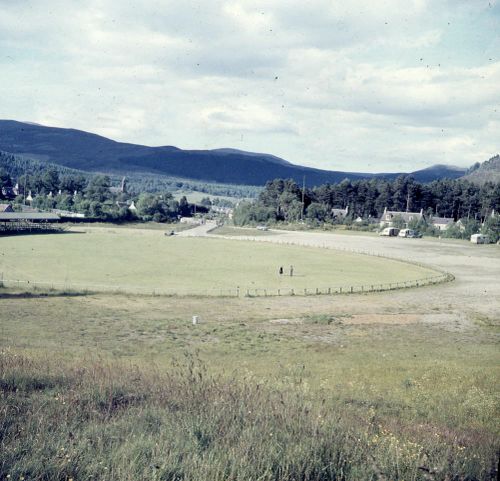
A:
x: 94, y: 420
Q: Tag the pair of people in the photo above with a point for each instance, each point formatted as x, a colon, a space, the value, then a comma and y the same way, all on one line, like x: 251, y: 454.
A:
x: 281, y: 271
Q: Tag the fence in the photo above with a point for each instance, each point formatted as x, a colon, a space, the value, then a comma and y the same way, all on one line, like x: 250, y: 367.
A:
x: 74, y: 288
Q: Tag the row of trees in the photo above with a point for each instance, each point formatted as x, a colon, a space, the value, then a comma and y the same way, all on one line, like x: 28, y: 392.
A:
x: 95, y: 198
x: 284, y: 201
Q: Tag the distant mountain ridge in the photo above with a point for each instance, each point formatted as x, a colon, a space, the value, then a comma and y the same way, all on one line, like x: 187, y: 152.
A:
x: 89, y: 152
x: 488, y: 171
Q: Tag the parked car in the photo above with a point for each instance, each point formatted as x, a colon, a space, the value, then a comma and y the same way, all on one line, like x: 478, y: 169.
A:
x: 409, y: 233
x: 262, y: 227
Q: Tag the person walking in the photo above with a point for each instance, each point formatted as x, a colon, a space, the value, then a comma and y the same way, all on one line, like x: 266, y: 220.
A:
x: 291, y: 271
x: 281, y: 271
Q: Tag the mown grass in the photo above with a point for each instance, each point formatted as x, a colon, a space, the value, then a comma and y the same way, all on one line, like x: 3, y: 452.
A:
x: 97, y: 420
x: 146, y: 259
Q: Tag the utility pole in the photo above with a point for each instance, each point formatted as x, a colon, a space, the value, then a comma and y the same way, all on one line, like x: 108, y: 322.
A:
x: 25, y: 180
x: 408, y: 202
x: 303, y: 197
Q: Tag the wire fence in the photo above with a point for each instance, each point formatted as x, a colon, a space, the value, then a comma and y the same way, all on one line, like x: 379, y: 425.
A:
x: 75, y: 288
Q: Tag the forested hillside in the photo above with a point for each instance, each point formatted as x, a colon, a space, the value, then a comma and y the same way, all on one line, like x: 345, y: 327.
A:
x: 488, y: 171
x: 17, y: 166
x: 93, y: 153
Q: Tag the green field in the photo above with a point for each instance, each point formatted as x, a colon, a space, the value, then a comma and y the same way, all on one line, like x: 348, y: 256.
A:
x: 399, y: 385
x: 99, y: 387
x: 146, y: 259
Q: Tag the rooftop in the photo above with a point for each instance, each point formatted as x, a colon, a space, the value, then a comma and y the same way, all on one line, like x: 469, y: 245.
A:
x: 13, y: 216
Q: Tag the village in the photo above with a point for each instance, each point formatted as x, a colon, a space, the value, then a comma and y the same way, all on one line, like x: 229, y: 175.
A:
x: 17, y: 214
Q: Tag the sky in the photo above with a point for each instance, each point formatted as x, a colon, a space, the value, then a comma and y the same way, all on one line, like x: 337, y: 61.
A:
x: 353, y: 85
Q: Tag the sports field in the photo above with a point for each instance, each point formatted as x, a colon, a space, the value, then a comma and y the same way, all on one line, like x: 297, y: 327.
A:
x: 146, y: 259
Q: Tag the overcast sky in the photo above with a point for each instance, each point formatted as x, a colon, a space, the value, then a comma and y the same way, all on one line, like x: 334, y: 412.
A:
x: 360, y: 85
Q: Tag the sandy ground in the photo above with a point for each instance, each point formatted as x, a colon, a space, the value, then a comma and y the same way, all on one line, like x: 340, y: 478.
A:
x: 474, y: 296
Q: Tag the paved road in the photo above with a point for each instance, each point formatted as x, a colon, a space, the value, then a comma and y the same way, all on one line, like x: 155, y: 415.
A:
x: 198, y: 231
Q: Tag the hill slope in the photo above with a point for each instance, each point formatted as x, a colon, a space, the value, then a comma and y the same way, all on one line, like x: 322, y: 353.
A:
x: 488, y: 171
x: 90, y: 152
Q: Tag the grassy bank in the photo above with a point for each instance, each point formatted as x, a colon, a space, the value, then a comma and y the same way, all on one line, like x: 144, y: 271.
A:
x: 93, y: 420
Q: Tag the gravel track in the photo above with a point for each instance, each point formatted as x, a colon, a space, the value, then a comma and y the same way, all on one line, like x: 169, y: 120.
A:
x: 474, y: 295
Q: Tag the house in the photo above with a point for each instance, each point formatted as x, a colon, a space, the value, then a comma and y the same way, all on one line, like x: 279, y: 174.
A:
x: 66, y: 214
x: 190, y: 220
x: 387, y: 218
x: 222, y: 210
x: 340, y: 214
x: 6, y: 208
x: 442, y: 223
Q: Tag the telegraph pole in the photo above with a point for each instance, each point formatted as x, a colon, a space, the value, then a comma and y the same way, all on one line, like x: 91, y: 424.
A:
x: 303, y: 197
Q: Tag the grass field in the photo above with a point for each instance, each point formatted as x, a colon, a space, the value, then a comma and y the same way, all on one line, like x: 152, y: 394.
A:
x: 401, y: 385
x: 147, y: 259
x: 308, y: 395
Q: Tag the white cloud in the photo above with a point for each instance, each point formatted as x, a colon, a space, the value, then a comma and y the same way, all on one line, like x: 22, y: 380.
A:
x: 323, y: 83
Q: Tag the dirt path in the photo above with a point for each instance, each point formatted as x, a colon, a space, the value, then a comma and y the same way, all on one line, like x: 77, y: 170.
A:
x: 198, y: 231
x: 473, y: 296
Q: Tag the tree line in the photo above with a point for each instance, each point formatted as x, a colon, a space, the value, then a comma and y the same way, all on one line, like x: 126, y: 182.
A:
x: 285, y: 201
x: 94, y: 197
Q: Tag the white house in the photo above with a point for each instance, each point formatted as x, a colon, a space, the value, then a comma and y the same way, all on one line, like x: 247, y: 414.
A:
x: 387, y: 218
x: 442, y: 223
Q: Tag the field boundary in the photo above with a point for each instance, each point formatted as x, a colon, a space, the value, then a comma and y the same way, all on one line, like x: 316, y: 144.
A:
x: 76, y: 288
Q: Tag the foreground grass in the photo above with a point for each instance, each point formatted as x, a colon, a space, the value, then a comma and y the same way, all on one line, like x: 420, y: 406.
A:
x: 288, y: 389
x: 93, y: 420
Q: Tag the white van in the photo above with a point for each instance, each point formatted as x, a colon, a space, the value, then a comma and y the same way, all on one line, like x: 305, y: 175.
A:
x: 479, y: 239
x: 390, y: 232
